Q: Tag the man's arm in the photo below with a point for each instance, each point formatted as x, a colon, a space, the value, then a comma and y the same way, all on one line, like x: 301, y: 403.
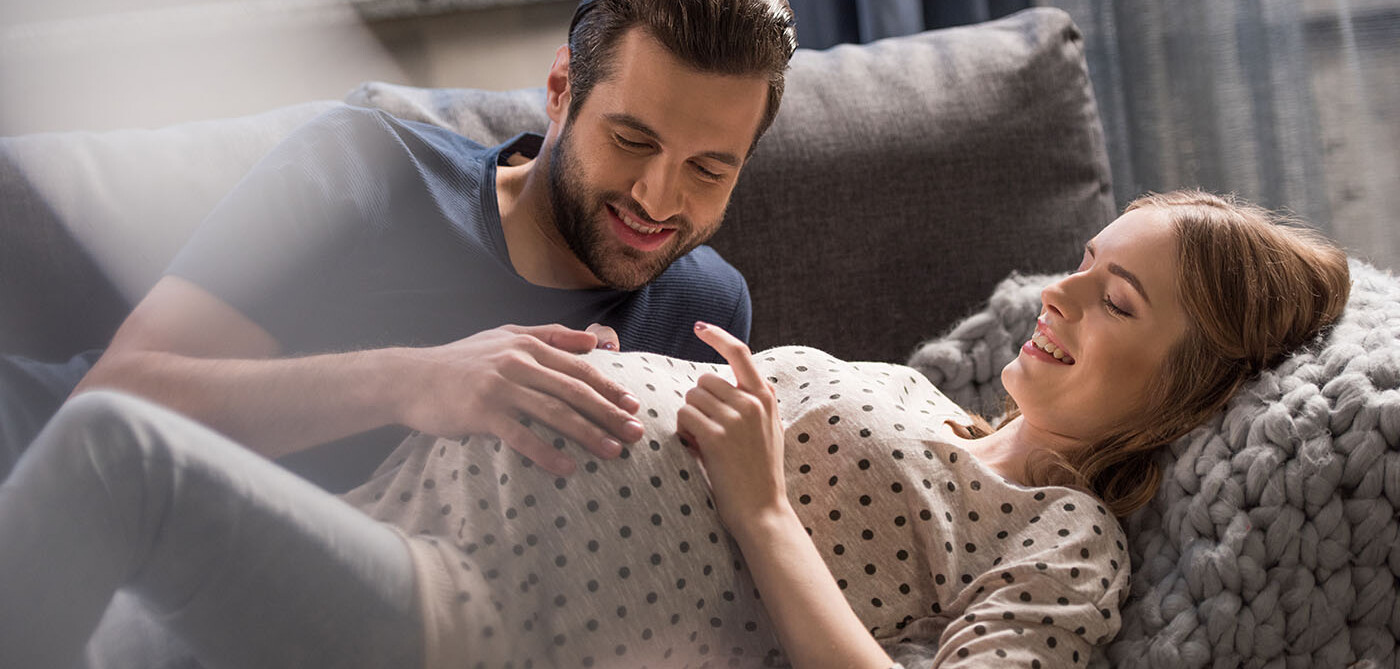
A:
x: 187, y: 349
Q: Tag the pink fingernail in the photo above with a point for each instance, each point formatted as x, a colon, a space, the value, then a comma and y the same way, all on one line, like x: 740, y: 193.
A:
x: 701, y: 325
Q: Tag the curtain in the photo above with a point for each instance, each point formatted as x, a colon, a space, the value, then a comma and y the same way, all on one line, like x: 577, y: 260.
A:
x: 1294, y: 104
x: 824, y: 23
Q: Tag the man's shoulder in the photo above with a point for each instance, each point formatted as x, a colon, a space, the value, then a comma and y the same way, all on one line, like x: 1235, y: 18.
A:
x: 367, y: 122
x: 700, y: 285
x: 703, y: 266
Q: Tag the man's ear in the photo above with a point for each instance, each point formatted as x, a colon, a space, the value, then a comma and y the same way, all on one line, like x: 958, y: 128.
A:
x: 557, y: 92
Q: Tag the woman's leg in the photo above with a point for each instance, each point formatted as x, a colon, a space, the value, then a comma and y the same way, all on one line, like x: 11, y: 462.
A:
x: 245, y: 563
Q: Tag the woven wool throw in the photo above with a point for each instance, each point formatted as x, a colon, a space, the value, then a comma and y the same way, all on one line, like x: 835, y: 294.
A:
x: 1275, y: 538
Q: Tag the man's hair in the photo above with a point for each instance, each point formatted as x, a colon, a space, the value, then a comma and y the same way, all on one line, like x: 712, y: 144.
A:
x: 729, y: 37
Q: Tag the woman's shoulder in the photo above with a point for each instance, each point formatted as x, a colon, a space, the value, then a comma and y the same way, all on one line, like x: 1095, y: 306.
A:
x: 1059, y: 533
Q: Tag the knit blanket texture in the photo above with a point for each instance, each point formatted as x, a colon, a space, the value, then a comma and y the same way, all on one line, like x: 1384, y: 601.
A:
x: 1273, y: 540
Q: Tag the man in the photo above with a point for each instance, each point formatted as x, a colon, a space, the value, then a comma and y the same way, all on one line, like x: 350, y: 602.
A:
x: 362, y: 275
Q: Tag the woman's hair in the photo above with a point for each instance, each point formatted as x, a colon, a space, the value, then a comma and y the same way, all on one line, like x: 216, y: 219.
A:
x: 731, y: 37
x: 1255, y: 287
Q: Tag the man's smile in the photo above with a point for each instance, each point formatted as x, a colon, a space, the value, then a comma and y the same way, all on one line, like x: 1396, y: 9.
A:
x: 635, y: 233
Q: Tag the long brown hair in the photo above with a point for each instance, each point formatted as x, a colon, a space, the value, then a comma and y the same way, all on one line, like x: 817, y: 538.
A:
x: 1255, y: 287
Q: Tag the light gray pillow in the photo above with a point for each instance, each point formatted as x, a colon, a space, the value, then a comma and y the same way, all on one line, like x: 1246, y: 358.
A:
x: 91, y: 219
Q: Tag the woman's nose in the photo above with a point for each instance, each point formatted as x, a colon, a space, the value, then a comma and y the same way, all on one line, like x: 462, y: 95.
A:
x: 1060, y: 298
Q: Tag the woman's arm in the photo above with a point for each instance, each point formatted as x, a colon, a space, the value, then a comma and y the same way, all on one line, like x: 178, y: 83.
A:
x: 739, y: 438
x: 815, y: 623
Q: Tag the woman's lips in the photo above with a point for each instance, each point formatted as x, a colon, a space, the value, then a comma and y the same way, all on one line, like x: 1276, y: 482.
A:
x: 636, y: 234
x: 1043, y: 346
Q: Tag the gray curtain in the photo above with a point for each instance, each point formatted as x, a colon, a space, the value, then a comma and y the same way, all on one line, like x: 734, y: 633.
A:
x: 824, y: 23
x: 1294, y: 104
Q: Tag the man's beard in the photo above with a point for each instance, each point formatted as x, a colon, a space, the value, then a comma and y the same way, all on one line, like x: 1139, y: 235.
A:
x: 578, y: 216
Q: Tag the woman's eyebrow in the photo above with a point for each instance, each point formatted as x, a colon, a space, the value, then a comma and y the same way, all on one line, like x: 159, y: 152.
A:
x: 1120, y: 271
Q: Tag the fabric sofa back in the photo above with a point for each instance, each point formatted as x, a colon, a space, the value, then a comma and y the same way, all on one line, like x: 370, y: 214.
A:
x: 899, y: 183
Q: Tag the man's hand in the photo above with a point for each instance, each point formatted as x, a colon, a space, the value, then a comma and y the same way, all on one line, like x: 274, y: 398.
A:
x: 491, y: 381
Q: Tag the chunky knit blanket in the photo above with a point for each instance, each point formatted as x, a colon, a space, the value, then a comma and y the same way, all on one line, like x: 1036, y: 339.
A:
x: 1274, y: 540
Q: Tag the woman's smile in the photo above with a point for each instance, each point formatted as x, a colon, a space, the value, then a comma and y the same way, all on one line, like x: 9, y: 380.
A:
x: 1044, y: 342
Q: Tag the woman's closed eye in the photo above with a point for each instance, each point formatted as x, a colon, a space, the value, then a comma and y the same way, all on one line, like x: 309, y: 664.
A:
x: 1113, y: 307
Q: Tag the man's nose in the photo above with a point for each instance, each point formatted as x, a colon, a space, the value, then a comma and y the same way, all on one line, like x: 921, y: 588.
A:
x: 658, y: 191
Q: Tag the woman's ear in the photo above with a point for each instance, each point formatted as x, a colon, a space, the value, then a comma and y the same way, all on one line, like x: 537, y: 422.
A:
x: 557, y: 92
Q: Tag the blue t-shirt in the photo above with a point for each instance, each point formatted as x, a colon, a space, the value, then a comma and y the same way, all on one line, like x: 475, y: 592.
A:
x: 362, y: 231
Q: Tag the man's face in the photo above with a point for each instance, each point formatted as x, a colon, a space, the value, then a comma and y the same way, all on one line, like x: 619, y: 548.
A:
x: 641, y: 174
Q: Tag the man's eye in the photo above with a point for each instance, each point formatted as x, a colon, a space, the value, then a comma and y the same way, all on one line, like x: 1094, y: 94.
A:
x: 712, y: 176
x: 629, y: 144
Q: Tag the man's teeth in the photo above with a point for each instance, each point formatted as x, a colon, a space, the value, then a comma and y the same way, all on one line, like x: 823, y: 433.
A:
x: 632, y: 223
x: 1043, y: 343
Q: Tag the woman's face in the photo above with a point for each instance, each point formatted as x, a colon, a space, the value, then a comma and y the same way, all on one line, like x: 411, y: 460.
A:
x: 1112, y: 322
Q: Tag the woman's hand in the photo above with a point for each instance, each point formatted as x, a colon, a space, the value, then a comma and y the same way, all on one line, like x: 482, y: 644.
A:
x: 739, y: 437
x: 607, y: 337
x: 737, y: 433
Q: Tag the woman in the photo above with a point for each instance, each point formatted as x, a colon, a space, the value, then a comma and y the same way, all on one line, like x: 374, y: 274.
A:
x: 858, y: 513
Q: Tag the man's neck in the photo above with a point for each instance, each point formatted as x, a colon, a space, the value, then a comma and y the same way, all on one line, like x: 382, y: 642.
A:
x: 537, y: 251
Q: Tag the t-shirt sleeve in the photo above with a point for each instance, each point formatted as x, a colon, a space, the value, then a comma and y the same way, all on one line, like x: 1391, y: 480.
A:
x: 742, y: 321
x: 1047, y: 611
x: 698, y: 286
x: 1056, y: 627
x: 268, y: 247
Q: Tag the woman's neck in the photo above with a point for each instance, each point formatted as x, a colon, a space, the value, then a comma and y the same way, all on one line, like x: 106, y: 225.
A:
x: 1007, y: 451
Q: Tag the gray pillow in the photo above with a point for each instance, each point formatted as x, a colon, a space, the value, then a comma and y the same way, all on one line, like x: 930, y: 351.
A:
x: 1275, y: 537
x: 900, y: 181
x: 91, y: 219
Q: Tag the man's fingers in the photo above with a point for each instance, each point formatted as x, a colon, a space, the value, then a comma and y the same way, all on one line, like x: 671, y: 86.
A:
x: 567, y: 421
x: 735, y: 352
x: 594, y: 389
x: 525, y: 442
x: 558, y: 336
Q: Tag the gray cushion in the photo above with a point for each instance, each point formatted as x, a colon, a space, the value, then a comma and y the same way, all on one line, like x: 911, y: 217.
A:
x: 1275, y: 537
x: 92, y: 219
x: 900, y: 181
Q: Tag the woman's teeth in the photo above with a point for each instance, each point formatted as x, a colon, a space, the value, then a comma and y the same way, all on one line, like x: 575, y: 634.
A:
x: 1043, y: 343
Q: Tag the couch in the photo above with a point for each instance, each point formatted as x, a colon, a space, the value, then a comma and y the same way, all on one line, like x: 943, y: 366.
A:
x: 902, y: 183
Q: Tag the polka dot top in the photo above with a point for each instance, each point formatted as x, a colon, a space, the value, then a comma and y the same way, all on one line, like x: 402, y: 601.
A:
x: 626, y: 563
